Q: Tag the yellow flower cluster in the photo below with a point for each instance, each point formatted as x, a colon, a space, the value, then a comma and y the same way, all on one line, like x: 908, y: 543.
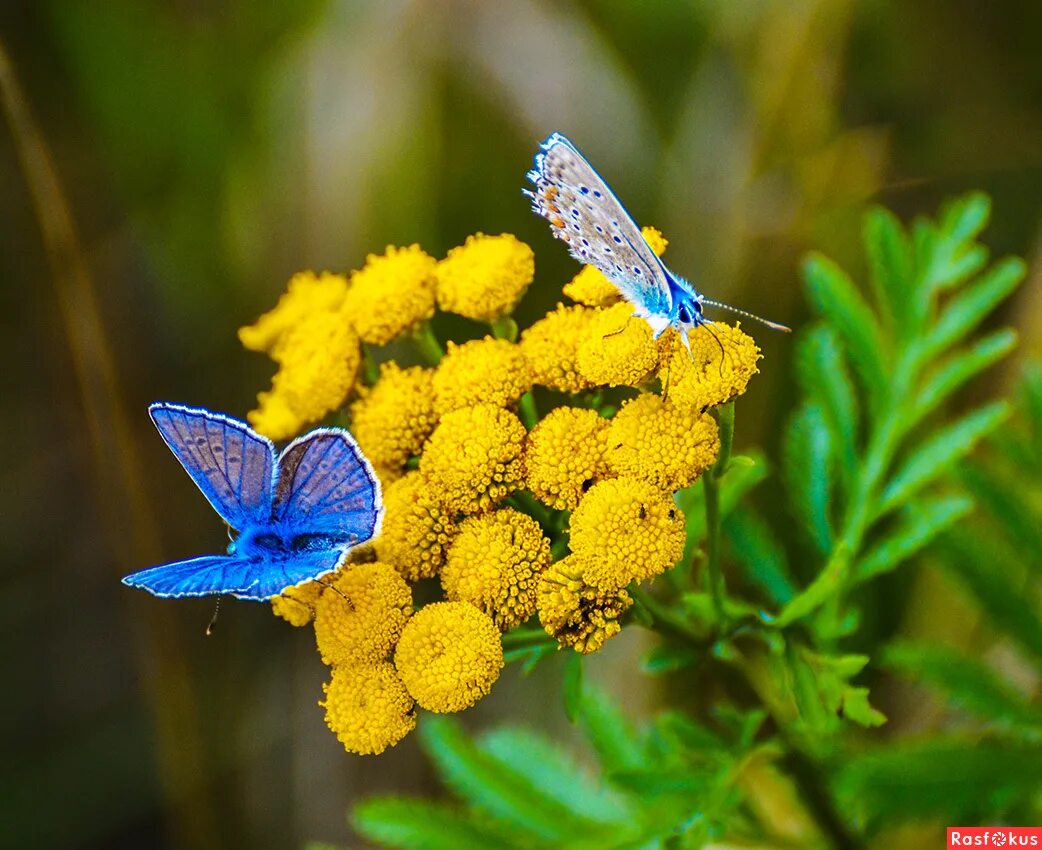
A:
x: 521, y: 518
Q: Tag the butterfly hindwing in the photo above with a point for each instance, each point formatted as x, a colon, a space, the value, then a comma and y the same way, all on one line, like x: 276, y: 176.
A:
x: 325, y: 484
x: 586, y: 214
x: 231, y: 463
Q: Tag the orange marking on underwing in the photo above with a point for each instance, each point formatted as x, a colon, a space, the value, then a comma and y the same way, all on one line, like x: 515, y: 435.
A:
x: 557, y: 222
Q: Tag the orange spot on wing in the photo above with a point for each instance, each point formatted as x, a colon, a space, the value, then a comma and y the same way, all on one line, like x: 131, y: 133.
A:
x: 557, y: 222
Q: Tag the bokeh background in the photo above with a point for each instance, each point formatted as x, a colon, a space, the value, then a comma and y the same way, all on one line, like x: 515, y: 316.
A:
x: 165, y: 167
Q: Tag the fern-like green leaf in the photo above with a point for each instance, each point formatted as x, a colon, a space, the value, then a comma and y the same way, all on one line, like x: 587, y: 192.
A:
x: 618, y: 745
x: 808, y: 467
x: 890, y: 256
x: 1004, y: 498
x: 761, y: 555
x: 414, y: 824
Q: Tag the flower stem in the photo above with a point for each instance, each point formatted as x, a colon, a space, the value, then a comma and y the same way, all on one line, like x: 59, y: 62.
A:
x: 662, y: 615
x: 504, y: 327
x: 427, y: 344
x: 717, y: 587
x: 370, y: 371
x: 527, y: 410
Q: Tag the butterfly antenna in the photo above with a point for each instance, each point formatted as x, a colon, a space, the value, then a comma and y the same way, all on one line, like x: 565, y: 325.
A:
x: 213, y: 620
x: 335, y: 590
x: 669, y: 368
x: 705, y: 324
x: 774, y: 326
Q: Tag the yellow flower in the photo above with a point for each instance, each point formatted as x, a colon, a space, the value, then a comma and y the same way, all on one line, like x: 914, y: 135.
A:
x: 617, y: 348
x: 473, y: 460
x: 495, y: 563
x: 391, y: 294
x: 393, y: 418
x: 565, y: 455
x: 449, y: 656
x: 482, y: 371
x: 416, y: 530
x: 485, y: 277
x: 273, y: 417
x: 669, y: 446
x: 577, y: 613
x: 708, y: 376
x: 296, y: 605
x: 368, y: 707
x: 306, y: 295
x: 592, y: 288
x: 363, y: 627
x: 551, y: 348
x: 627, y: 530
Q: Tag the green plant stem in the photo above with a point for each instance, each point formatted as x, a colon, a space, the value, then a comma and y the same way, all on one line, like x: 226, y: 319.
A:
x: 662, y: 615
x: 427, y: 344
x: 527, y: 411
x: 370, y: 371
x: 527, y: 503
x: 717, y: 586
x: 504, y: 327
x: 526, y: 637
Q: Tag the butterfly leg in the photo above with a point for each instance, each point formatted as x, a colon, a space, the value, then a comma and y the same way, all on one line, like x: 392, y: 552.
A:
x: 619, y: 330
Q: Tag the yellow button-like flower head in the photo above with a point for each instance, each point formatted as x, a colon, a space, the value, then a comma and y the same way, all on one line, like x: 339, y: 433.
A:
x: 577, y: 613
x: 618, y: 348
x: 306, y: 295
x: 296, y: 605
x: 318, y: 358
x: 482, y: 371
x: 565, y: 455
x: 551, y: 348
x: 592, y: 288
x: 416, y: 530
x: 391, y: 294
x: 363, y: 627
x: 474, y: 459
x: 485, y: 277
x: 368, y: 707
x: 393, y: 418
x: 710, y: 376
x: 449, y: 656
x: 627, y: 530
x: 669, y: 446
x: 494, y: 563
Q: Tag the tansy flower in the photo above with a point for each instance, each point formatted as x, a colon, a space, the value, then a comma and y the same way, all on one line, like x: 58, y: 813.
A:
x: 391, y: 294
x: 577, y: 613
x: 416, y: 530
x: 296, y: 605
x: 551, y: 348
x: 306, y: 295
x: 494, y: 564
x: 485, y: 277
x: 592, y: 288
x: 449, y: 656
x: 368, y: 707
x: 318, y: 361
x: 626, y: 530
x: 669, y: 446
x: 565, y: 455
x: 708, y: 376
x: 393, y: 418
x: 617, y: 348
x: 482, y: 371
x: 473, y: 460
x: 363, y: 627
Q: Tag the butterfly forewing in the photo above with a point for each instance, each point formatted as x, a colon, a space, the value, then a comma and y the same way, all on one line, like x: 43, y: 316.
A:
x: 326, y: 484
x: 584, y: 212
x: 229, y: 462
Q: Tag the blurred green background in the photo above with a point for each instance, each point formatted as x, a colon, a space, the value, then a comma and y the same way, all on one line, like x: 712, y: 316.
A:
x: 164, y: 168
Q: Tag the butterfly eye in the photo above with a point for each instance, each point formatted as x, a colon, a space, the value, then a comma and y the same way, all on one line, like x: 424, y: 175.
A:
x: 684, y: 314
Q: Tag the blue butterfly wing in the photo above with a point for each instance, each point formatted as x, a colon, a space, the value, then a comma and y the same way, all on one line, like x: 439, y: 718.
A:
x: 585, y: 213
x: 256, y: 579
x: 231, y: 463
x: 325, y: 485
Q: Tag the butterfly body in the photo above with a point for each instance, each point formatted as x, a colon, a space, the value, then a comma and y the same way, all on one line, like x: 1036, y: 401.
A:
x: 584, y: 212
x: 297, y: 514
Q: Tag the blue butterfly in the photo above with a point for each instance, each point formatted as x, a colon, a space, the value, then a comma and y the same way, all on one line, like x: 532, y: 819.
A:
x: 298, y: 514
x: 584, y: 212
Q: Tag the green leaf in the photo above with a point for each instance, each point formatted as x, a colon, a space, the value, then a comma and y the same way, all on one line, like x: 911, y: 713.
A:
x: 668, y: 657
x: 969, y: 308
x: 959, y: 369
x: 937, y: 454
x: 494, y: 786
x: 573, y: 685
x: 833, y: 295
x: 545, y: 765
x: 963, y: 219
x: 920, y: 523
x: 892, y: 263
x: 1004, y: 497
x: 969, y: 683
x: 856, y: 708
x: 617, y: 743
x: 761, y: 555
x: 415, y: 824
x: 827, y: 584
x: 808, y: 468
x: 829, y: 682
